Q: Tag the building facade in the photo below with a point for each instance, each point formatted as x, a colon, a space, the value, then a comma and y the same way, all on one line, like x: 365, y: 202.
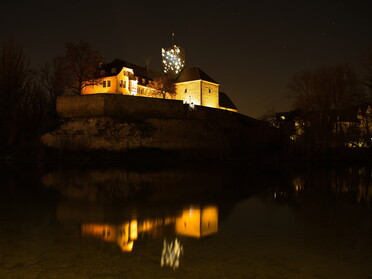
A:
x: 192, y: 85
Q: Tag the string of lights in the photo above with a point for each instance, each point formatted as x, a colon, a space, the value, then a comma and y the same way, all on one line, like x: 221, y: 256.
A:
x: 173, y: 59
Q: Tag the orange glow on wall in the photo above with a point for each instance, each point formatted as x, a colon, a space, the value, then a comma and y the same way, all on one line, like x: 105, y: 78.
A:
x: 229, y: 109
x: 104, y: 85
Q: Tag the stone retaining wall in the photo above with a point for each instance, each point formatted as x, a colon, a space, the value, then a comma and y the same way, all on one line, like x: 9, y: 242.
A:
x: 118, y: 106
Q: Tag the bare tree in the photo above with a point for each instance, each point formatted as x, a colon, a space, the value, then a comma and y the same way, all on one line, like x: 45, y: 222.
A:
x: 14, y: 74
x: 51, y: 78
x: 14, y: 79
x: 367, y: 63
x: 80, y: 65
x: 35, y: 105
x: 322, y: 95
x: 163, y: 86
x: 23, y: 102
x: 326, y: 89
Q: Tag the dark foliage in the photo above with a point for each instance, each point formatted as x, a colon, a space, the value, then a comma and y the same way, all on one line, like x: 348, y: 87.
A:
x: 24, y: 103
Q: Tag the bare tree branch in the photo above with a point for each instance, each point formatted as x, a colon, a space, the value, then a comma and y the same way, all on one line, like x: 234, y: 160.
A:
x: 80, y: 65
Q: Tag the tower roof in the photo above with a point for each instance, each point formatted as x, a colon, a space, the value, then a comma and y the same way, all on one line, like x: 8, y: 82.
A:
x: 194, y: 73
x: 225, y: 101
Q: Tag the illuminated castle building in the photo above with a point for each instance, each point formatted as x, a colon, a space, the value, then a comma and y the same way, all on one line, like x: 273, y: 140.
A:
x: 193, y: 86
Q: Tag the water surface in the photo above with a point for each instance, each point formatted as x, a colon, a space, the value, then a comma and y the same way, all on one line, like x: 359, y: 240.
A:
x: 229, y: 221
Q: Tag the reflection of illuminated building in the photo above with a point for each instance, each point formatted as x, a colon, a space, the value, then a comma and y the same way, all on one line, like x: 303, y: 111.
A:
x: 124, y: 234
x: 198, y: 222
x: 298, y: 184
x: 127, y: 234
x: 194, y: 222
x: 104, y: 232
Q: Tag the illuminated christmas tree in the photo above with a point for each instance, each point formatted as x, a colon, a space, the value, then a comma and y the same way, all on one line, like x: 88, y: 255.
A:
x: 173, y: 60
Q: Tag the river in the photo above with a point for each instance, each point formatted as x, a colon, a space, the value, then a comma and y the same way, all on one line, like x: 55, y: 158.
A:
x: 192, y: 220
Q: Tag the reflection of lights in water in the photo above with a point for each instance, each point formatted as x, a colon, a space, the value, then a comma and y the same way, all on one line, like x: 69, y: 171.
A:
x: 198, y: 222
x: 298, y: 184
x: 171, y: 253
x: 193, y: 222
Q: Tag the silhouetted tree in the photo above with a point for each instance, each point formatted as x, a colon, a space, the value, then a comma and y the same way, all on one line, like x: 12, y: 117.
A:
x: 367, y: 78
x: 322, y: 95
x: 23, y: 102
x: 163, y: 86
x: 268, y: 116
x: 14, y: 79
x: 80, y: 66
x: 51, y: 78
x: 35, y: 105
x: 326, y: 89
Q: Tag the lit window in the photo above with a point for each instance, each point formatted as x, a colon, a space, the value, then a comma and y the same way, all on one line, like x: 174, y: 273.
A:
x: 104, y: 83
x: 109, y: 83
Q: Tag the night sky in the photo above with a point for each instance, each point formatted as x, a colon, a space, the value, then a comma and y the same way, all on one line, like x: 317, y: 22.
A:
x: 252, y: 48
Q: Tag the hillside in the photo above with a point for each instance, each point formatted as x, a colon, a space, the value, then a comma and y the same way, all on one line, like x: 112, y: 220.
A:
x: 116, y: 123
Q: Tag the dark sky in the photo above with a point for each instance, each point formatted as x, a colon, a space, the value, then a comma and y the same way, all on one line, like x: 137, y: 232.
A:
x: 252, y: 48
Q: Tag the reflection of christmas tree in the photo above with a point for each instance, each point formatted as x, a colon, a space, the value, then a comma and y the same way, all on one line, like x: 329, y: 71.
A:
x: 171, y: 253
